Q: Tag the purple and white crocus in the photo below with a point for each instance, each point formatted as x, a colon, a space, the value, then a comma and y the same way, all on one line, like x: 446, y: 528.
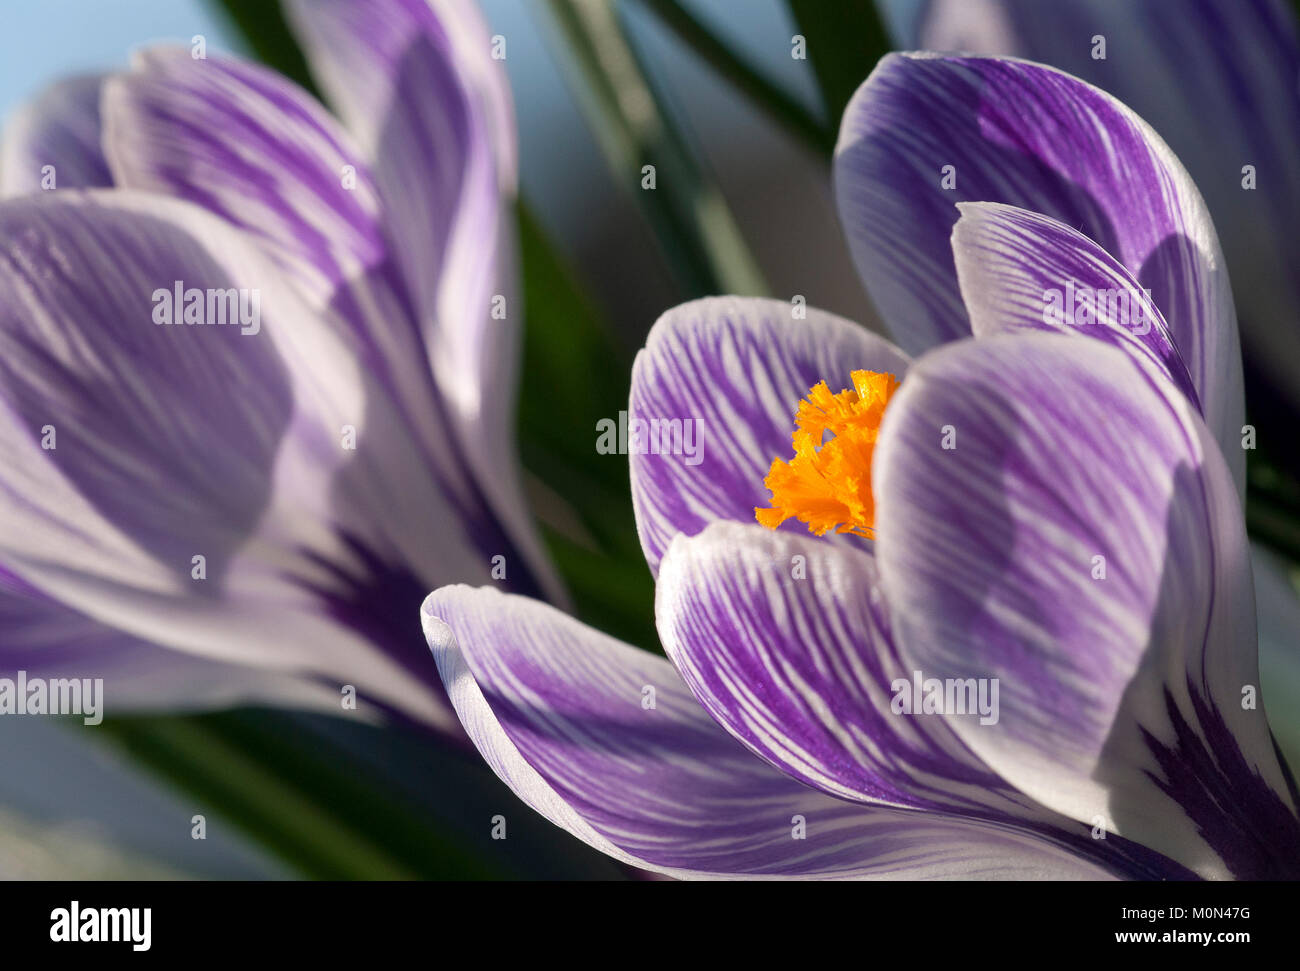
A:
x: 331, y: 463
x: 1020, y: 452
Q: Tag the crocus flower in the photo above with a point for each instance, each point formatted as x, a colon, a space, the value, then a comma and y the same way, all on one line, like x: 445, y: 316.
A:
x: 202, y: 513
x: 1217, y: 80
x: 1046, y: 505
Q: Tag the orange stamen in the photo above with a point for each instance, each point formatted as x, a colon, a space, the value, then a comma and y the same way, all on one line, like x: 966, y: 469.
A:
x: 827, y: 485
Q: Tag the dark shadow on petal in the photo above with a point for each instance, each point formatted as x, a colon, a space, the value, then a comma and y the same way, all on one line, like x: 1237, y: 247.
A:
x: 1190, y: 750
x: 170, y: 431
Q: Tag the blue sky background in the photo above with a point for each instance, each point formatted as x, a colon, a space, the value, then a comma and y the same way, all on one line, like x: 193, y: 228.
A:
x: 51, y: 38
x: 45, y: 40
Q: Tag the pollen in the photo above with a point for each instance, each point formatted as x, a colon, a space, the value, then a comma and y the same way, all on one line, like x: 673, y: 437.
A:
x: 827, y: 484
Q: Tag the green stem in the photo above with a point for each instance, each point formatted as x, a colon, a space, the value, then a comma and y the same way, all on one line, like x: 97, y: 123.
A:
x: 264, y: 29
x: 845, y: 40
x: 227, y: 783
x: 1272, y: 486
x: 308, y: 801
x: 747, y: 79
x: 1273, y: 525
x: 694, y: 226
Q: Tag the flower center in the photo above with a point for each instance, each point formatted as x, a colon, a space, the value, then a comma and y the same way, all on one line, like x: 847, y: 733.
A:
x: 827, y: 485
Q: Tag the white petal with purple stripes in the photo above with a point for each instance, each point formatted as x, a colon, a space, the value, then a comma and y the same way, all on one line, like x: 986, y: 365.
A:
x: 252, y: 147
x: 925, y: 132
x: 606, y: 741
x: 1082, y: 543
x: 417, y: 84
x: 49, y: 639
x: 289, y: 176
x: 786, y: 642
x: 1023, y: 271
x: 1218, y: 82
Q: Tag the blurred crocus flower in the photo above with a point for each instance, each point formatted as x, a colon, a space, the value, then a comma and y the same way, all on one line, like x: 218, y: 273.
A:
x: 1044, y: 662
x: 1220, y: 81
x: 202, y: 509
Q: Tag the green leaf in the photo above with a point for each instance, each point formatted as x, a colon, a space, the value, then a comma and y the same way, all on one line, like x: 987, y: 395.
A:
x: 264, y: 29
x: 292, y: 799
x: 696, y: 232
x: 574, y: 375
x: 338, y: 799
x: 747, y: 79
x: 845, y: 40
x: 1272, y: 466
x: 574, y: 372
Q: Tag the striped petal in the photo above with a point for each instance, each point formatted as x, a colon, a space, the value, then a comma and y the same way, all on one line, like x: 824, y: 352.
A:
x: 254, y: 148
x: 283, y: 171
x: 53, y: 141
x: 1218, y: 82
x: 608, y: 743
x: 1021, y: 271
x: 786, y: 642
x: 419, y: 87
x: 133, y: 446
x: 732, y: 370
x: 925, y: 132
x: 1080, y: 541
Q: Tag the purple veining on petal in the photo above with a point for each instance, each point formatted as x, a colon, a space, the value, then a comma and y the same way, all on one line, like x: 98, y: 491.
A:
x: 786, y: 643
x: 50, y: 639
x: 381, y: 600
x: 420, y: 497
x: 136, y: 405
x: 1068, y: 463
x: 292, y: 181
x: 925, y: 132
x: 177, y: 441
x: 1233, y: 807
x: 561, y: 713
x: 417, y: 84
x: 1218, y: 82
x: 252, y: 147
x: 59, y: 129
x: 1020, y: 270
